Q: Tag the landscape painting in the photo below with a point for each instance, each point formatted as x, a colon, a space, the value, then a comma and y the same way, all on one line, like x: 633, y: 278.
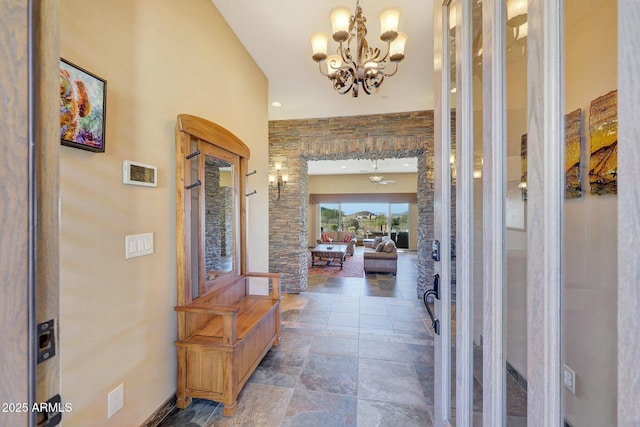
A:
x: 572, y: 154
x: 603, y: 126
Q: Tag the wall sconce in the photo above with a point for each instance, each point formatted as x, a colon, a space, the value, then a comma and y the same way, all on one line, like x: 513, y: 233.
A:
x: 280, y: 179
x: 523, y: 189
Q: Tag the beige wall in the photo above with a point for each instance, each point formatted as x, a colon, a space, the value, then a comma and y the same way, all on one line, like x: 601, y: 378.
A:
x: 160, y: 58
x: 360, y: 184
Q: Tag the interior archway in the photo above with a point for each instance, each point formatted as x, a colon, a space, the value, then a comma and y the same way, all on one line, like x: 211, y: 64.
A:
x: 295, y: 142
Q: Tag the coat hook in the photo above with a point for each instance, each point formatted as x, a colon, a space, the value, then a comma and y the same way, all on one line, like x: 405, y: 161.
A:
x: 251, y: 173
x: 252, y: 193
x: 195, y: 153
x: 195, y: 184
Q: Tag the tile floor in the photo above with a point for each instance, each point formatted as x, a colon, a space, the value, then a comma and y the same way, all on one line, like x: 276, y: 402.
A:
x: 354, y: 352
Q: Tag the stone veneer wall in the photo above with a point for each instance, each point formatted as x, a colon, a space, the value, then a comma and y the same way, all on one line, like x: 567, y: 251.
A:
x: 294, y: 142
x: 214, y: 217
x: 218, y: 218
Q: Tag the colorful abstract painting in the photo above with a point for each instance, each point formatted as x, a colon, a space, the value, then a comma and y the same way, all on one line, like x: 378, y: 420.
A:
x: 573, y: 152
x: 603, y: 127
x: 82, y: 108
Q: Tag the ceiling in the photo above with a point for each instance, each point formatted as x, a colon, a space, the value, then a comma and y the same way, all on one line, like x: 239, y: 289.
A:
x: 276, y: 33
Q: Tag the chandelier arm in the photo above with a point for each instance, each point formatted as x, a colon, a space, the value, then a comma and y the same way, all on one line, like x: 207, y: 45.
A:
x: 372, y: 83
x: 395, y: 70
x: 321, y: 71
x: 386, y: 55
x: 344, y: 53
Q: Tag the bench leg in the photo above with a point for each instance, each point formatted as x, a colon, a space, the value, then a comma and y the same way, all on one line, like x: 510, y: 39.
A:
x: 183, y: 403
x: 230, y: 410
x: 182, y: 400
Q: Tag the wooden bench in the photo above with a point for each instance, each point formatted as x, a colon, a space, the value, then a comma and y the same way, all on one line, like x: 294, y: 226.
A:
x: 227, y: 333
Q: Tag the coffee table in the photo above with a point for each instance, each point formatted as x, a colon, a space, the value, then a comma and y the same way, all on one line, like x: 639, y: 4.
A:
x: 332, y: 251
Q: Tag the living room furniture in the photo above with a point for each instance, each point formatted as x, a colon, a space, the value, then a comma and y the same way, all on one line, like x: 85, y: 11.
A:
x: 224, y: 330
x: 382, y: 258
x: 330, y: 252
x: 339, y: 237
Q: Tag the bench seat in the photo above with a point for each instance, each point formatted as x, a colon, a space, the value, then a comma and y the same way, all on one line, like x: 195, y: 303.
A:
x: 228, y: 333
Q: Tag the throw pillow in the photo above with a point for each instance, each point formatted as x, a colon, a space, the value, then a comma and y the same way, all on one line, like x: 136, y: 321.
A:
x: 325, y: 237
x: 347, y: 238
x: 380, y: 247
x: 376, y: 242
x: 389, y: 246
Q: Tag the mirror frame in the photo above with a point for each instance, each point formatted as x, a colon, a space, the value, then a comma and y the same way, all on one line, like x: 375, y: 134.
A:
x: 211, y: 138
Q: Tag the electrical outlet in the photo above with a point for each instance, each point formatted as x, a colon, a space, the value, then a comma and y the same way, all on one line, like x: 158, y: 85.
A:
x: 569, y: 378
x: 115, y: 400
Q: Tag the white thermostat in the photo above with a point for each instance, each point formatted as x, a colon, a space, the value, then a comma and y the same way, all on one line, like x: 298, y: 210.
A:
x: 135, y: 173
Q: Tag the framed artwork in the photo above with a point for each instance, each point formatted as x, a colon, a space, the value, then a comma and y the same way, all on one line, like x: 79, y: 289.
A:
x: 83, y: 98
x: 572, y: 154
x: 603, y: 126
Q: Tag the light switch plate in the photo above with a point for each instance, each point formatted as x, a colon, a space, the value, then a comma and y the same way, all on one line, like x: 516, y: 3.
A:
x: 569, y: 378
x: 136, y: 245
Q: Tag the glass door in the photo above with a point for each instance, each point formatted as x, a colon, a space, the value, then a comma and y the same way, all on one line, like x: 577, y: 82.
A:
x: 590, y: 243
x: 552, y: 217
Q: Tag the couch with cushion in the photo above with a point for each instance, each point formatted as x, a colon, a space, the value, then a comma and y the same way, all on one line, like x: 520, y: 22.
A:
x: 339, y: 238
x: 382, y: 257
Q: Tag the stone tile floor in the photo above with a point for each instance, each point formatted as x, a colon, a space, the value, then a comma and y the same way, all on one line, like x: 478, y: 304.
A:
x: 354, y: 352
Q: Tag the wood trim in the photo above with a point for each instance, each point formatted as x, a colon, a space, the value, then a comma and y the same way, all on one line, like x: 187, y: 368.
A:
x: 14, y: 245
x: 315, y: 199
x: 442, y: 213
x: 183, y: 257
x: 464, y: 215
x: 545, y: 211
x: 628, y: 208
x: 241, y: 196
x: 494, y: 182
x: 47, y: 149
x: 213, y: 133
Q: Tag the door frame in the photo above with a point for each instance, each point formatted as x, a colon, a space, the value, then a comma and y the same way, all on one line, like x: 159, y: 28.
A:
x: 442, y: 213
x: 545, y: 208
x: 628, y: 208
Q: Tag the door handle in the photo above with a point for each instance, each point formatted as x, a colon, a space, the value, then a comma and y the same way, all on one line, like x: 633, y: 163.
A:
x: 435, y: 323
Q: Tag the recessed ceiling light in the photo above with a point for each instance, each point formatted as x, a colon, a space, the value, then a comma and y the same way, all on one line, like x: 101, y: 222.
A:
x: 343, y: 167
x: 276, y: 104
x: 406, y: 164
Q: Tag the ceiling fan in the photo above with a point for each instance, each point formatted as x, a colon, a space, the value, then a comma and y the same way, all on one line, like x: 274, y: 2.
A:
x: 376, y: 178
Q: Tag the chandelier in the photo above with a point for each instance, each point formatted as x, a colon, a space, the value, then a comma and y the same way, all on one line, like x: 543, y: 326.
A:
x: 356, y: 63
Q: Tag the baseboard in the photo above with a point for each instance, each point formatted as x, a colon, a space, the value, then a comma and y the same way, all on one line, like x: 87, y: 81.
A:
x: 517, y: 376
x: 161, y: 413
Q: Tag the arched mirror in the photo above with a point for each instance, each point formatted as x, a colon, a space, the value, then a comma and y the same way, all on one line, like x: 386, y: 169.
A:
x: 209, y: 160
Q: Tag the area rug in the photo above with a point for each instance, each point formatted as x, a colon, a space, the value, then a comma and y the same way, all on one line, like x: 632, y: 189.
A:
x: 352, y: 267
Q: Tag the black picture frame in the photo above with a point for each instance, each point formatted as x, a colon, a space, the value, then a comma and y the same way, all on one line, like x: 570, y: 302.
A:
x: 83, y: 107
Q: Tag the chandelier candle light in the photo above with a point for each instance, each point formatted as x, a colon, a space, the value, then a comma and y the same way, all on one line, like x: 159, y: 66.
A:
x: 363, y: 66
